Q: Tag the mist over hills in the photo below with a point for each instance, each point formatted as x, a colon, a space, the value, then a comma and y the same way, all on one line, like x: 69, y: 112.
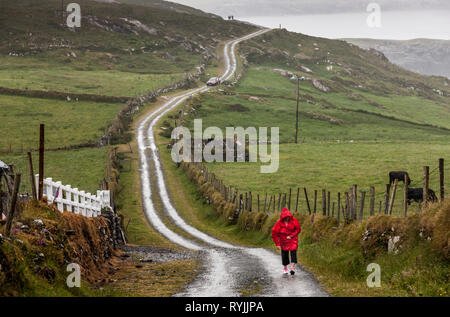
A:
x: 424, y: 56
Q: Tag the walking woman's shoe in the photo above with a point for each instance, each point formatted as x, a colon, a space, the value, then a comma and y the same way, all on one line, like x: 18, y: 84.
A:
x: 292, y: 269
x: 285, y: 270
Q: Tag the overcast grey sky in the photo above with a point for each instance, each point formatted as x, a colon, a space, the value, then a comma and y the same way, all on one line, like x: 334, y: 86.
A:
x: 273, y: 7
x: 400, y: 19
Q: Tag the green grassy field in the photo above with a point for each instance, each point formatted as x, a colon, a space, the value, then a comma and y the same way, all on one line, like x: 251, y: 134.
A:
x: 81, y: 168
x: 67, y: 123
x: 336, y: 167
x: 44, y: 73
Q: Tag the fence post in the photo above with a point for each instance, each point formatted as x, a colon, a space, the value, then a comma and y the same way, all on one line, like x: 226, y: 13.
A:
x: 328, y: 203
x: 246, y: 202
x: 265, y: 200
x: 12, y: 204
x: 355, y: 200
x: 315, y: 200
x: 391, y: 203
x: 258, y: 202
x: 83, y: 203
x: 347, y: 204
x: 386, y: 198
x: 441, y: 179
x: 68, y: 198
x: 339, y: 208
x: 361, y: 205
x: 372, y: 200
x: 76, y: 201
x: 33, y: 184
x: 324, y: 202
x: 274, y: 203
x: 307, y: 201
x: 426, y: 183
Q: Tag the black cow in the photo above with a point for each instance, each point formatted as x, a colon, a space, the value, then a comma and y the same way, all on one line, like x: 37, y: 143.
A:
x: 416, y: 194
x: 398, y: 175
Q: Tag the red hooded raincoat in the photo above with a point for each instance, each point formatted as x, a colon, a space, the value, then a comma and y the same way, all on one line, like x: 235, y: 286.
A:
x: 282, y: 230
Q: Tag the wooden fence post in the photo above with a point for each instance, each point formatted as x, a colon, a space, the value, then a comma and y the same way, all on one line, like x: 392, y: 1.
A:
x: 328, y: 203
x: 386, y: 198
x: 315, y: 200
x: 391, y: 202
x: 279, y: 201
x: 324, y: 202
x: 355, y: 200
x: 372, y: 201
x: 347, y: 204
x: 274, y: 203
x: 240, y: 202
x: 339, y: 208
x: 441, y: 179
x: 296, y: 200
x: 307, y: 201
x: 12, y: 204
x: 32, y: 177
x: 270, y: 203
x: 246, y: 202
x: 265, y: 200
x: 332, y: 210
x: 258, y: 202
x: 361, y: 205
x: 426, y: 184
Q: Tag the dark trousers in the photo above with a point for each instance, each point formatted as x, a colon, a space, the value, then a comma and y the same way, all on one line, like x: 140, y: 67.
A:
x: 285, y: 257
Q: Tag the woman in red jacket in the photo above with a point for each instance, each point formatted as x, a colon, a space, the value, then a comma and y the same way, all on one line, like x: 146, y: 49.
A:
x: 285, y: 235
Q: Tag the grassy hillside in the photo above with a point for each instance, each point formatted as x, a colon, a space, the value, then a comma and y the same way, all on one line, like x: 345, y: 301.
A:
x: 135, y: 47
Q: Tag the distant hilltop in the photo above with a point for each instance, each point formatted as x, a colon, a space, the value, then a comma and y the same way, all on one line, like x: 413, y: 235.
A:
x: 424, y: 56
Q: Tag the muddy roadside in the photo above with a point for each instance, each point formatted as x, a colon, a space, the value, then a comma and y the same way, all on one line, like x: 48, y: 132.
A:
x: 149, y: 271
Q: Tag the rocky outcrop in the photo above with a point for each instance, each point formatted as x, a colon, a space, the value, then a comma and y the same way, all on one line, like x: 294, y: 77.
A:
x: 319, y: 85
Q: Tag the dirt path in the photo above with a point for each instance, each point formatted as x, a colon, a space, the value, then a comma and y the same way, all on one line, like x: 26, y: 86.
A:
x: 229, y: 270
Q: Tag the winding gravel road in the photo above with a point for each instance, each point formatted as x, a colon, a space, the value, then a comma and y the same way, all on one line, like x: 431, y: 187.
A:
x: 229, y: 270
